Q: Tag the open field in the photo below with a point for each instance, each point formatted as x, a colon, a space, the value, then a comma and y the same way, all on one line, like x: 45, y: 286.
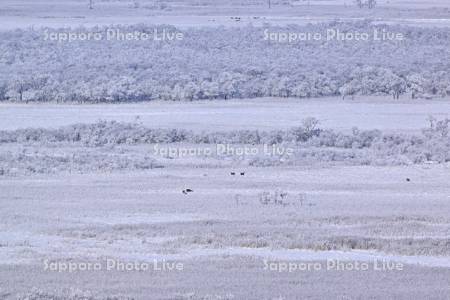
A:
x: 264, y: 114
x: 186, y: 13
x: 98, y: 193
x: 241, y: 273
x: 348, y: 214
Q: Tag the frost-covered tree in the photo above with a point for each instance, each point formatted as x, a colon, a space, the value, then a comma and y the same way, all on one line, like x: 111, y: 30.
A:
x: 3, y: 90
x: 18, y: 86
x: 416, y: 84
x: 198, y: 67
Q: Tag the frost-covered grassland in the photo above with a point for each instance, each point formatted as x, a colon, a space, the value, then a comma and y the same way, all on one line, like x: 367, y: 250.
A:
x: 90, y: 193
x: 188, y: 13
x: 266, y: 114
x: 231, y: 166
x: 346, y: 213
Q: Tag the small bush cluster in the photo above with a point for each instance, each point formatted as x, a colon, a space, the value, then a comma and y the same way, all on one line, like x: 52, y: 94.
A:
x: 280, y: 198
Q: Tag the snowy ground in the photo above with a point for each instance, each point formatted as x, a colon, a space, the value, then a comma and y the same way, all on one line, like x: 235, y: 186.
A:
x: 75, y: 202
x: 352, y: 214
x: 185, y: 13
x: 223, y: 235
x: 364, y: 112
